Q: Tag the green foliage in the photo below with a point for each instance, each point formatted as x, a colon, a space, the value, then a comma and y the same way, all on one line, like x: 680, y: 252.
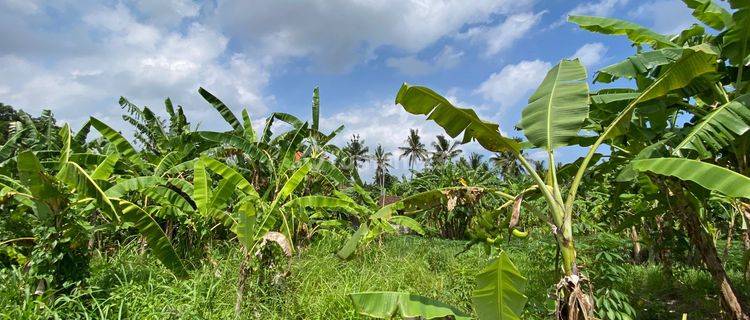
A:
x: 385, y: 305
x: 556, y: 110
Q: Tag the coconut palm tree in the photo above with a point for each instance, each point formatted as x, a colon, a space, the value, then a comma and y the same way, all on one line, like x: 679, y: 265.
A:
x: 383, y: 164
x: 414, y: 149
x: 474, y: 162
x: 507, y: 164
x: 444, y: 150
x: 356, y: 152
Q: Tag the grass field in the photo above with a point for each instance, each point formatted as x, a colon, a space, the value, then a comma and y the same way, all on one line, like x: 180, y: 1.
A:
x: 134, y: 286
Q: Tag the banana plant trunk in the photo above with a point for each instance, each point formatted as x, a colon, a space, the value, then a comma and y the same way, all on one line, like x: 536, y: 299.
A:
x: 241, y: 280
x: 730, y: 301
x: 572, y: 301
x: 636, y: 245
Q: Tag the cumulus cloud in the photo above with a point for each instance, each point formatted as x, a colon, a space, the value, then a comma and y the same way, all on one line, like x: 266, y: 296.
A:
x: 411, y: 65
x: 601, y: 8
x: 78, y: 57
x: 664, y: 16
x: 131, y: 57
x: 503, y: 36
x: 338, y: 34
x: 386, y: 124
x: 514, y: 82
x: 591, y: 54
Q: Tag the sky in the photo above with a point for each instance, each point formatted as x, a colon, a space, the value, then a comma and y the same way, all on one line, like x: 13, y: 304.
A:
x: 78, y: 57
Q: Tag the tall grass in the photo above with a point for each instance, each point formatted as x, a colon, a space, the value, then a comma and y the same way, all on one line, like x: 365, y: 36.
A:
x: 127, y: 285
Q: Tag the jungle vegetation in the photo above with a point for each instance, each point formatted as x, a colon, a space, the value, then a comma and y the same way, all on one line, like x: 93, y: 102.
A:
x: 277, y: 222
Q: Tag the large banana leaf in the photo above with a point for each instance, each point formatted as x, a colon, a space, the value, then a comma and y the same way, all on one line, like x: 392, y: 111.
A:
x: 695, y: 62
x: 736, y: 39
x: 65, y: 149
x: 330, y: 172
x: 386, y: 305
x: 719, y: 128
x: 220, y: 197
x: 201, y: 188
x: 133, y: 184
x: 454, y: 120
x: 638, y: 64
x: 559, y: 106
x: 121, y: 144
x: 105, y: 169
x: 499, y: 294
x: 6, y: 151
x: 294, y: 180
x: 352, y: 243
x: 251, y: 149
x: 636, y: 33
x: 408, y: 222
x: 252, y: 223
x: 709, y: 176
x: 41, y: 186
x: 76, y: 178
x: 319, y: 202
x: 710, y: 13
x: 230, y: 174
x: 155, y: 237
x: 80, y: 138
x: 32, y: 175
x: 225, y: 112
x: 168, y: 198
x: 167, y: 161
x: 248, y: 125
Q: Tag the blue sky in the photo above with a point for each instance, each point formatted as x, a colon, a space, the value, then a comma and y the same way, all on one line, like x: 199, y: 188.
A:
x: 78, y: 57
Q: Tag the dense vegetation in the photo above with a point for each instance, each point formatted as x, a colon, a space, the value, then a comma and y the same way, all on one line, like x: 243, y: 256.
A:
x: 276, y: 222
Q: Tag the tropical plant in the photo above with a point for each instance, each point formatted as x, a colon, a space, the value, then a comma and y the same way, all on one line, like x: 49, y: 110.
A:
x: 445, y: 151
x: 555, y: 114
x: 414, y: 149
x: 382, y: 166
x: 61, y: 204
x: 499, y: 295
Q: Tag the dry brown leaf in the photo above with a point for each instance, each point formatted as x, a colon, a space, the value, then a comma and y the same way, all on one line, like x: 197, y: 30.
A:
x: 280, y: 239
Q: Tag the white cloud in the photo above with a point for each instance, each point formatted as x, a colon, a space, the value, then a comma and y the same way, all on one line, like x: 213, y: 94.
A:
x: 338, y: 34
x: 22, y: 6
x: 591, y: 54
x: 503, y: 36
x: 167, y: 12
x: 386, y: 124
x: 139, y: 60
x: 601, y: 8
x: 664, y: 16
x: 411, y: 65
x: 514, y: 82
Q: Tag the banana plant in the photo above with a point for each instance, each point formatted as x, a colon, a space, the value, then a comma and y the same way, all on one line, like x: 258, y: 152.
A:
x: 716, y: 98
x: 379, y: 221
x: 499, y: 295
x: 61, y: 203
x: 553, y: 118
x: 256, y: 219
x: 689, y: 206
